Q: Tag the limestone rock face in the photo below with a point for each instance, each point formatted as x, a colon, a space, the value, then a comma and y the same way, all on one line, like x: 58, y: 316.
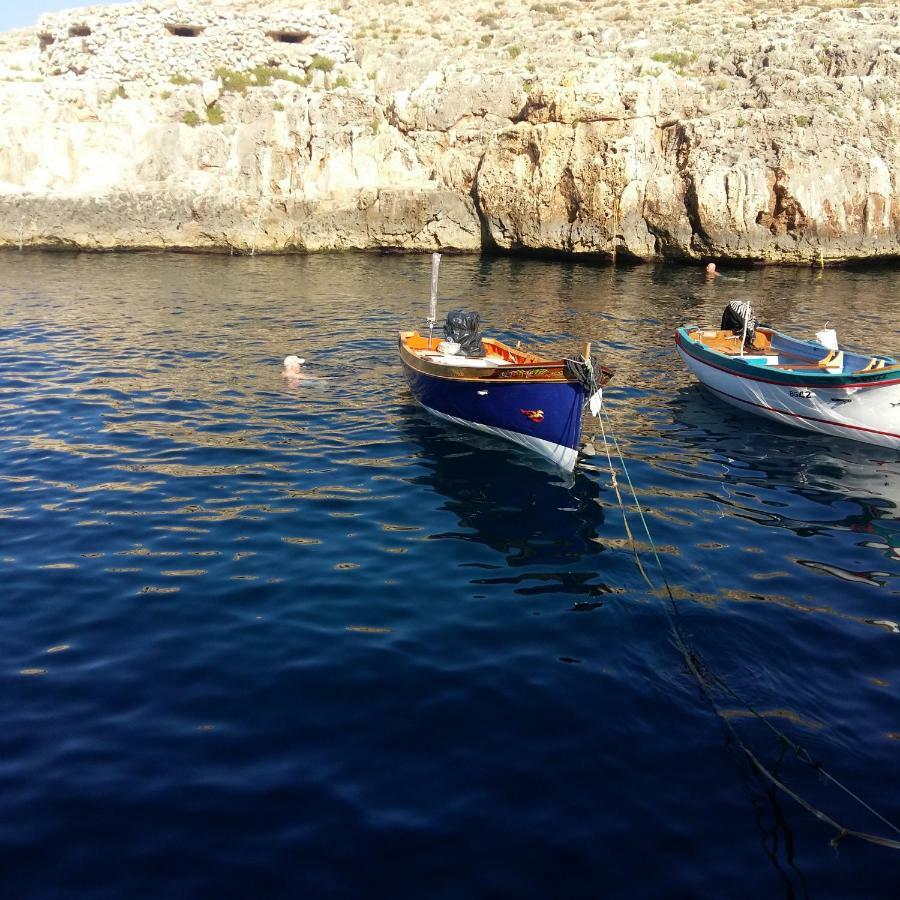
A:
x: 573, y: 128
x: 305, y: 179
x: 648, y: 168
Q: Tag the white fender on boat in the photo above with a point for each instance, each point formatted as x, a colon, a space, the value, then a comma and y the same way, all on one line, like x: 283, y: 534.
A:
x: 827, y: 337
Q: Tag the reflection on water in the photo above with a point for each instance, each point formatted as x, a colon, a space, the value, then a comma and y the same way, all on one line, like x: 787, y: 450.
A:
x: 261, y: 634
x: 544, y: 525
x: 856, y: 486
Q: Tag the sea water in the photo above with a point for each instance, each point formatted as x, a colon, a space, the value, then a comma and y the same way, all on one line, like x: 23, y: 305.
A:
x: 266, y: 637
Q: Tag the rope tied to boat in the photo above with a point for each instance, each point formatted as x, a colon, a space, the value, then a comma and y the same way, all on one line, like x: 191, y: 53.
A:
x: 708, y: 681
x: 583, y: 370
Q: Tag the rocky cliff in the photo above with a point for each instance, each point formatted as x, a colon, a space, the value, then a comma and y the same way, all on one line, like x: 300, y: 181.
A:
x: 713, y: 129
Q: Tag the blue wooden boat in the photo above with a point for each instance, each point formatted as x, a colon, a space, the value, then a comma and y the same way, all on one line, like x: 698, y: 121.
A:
x: 501, y: 390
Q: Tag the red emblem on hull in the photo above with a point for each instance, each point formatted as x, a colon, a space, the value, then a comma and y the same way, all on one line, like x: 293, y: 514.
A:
x: 536, y: 415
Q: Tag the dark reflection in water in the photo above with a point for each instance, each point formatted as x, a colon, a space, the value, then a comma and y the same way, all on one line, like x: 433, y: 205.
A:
x: 273, y: 638
x: 531, y: 514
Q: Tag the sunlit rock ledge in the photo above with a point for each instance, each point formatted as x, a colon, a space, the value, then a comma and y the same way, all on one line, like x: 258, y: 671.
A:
x: 716, y: 130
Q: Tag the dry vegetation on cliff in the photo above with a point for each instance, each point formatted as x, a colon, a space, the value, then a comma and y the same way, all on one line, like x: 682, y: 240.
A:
x: 542, y: 39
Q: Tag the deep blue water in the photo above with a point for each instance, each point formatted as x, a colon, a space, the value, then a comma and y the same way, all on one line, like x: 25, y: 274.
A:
x: 263, y: 639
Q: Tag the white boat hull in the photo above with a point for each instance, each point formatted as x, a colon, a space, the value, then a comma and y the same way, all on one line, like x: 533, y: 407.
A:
x: 861, y: 413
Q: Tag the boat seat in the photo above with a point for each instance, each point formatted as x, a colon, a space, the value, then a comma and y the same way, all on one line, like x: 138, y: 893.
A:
x: 790, y: 367
x: 729, y: 343
x: 873, y: 364
x: 830, y: 362
x: 834, y: 360
x: 472, y: 362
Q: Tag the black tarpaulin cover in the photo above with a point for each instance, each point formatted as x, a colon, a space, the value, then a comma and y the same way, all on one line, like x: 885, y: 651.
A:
x: 736, y: 314
x: 461, y: 327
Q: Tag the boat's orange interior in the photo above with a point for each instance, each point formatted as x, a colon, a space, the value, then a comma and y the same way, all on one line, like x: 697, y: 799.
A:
x: 513, y: 354
x: 729, y: 342
x: 415, y: 341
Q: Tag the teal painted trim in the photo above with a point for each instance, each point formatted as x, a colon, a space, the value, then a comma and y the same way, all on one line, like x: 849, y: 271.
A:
x: 769, y: 375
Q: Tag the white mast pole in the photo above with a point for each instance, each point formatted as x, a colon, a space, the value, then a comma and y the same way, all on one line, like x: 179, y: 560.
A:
x: 432, y: 302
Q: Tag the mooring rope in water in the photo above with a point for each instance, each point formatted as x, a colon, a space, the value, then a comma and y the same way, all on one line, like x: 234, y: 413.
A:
x: 707, y: 681
x: 615, y: 484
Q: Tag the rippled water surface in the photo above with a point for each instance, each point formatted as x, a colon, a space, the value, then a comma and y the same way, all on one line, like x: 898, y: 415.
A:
x: 266, y: 639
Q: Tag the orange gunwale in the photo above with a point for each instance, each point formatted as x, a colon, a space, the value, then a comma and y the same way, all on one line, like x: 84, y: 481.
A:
x: 513, y: 366
x: 414, y: 341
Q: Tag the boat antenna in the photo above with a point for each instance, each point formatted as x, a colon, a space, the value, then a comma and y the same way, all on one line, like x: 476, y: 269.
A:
x: 432, y: 302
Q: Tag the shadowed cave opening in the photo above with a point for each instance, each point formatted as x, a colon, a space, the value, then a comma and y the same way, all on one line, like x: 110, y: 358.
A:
x: 184, y: 30
x: 289, y: 37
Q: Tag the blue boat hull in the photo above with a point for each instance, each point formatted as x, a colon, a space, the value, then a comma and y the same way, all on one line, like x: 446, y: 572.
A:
x: 543, y: 416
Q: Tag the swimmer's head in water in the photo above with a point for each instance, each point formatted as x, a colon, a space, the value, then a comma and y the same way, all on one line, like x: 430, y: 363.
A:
x: 292, y: 365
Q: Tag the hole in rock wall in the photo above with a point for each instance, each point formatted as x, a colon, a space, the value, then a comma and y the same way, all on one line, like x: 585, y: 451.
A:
x: 46, y: 40
x: 184, y: 30
x: 289, y: 37
x: 79, y: 31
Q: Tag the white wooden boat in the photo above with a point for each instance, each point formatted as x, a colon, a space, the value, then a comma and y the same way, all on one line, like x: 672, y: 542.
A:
x: 807, y: 384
